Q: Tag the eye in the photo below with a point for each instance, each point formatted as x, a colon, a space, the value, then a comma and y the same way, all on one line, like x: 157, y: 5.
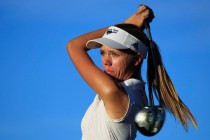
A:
x: 115, y: 54
x: 102, y: 52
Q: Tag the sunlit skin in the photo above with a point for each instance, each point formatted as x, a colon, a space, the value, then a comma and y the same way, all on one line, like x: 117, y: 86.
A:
x: 118, y: 64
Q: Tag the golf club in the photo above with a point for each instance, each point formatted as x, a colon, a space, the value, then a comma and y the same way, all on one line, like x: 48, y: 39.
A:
x: 151, y: 118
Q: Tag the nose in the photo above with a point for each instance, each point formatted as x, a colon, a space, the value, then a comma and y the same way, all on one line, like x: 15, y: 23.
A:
x: 106, y: 60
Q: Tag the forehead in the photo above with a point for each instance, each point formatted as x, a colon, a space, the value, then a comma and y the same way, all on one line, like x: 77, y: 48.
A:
x: 122, y: 51
x: 107, y: 48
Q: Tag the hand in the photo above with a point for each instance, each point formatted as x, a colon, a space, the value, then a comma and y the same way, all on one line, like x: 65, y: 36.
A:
x: 138, y: 18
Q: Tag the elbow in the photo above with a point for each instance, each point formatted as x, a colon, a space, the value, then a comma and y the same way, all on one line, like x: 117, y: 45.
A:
x: 68, y: 46
x: 75, y: 45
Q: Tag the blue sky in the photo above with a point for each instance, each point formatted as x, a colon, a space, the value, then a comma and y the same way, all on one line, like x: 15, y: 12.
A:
x: 42, y: 97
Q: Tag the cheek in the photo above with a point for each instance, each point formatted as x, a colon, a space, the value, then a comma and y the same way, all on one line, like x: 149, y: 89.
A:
x: 121, y: 67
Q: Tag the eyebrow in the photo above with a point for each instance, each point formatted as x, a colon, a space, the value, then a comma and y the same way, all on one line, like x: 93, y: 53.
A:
x: 112, y: 50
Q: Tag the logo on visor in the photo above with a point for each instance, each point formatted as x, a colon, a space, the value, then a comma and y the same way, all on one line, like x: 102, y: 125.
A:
x: 135, y: 45
x: 111, y: 31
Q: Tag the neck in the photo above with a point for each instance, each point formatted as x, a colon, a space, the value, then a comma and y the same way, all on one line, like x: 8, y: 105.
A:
x: 136, y: 74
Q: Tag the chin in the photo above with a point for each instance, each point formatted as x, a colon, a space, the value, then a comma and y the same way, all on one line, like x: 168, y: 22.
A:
x: 114, y: 78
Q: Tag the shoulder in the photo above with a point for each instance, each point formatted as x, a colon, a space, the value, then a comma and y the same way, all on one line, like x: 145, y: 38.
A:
x: 116, y: 103
x: 136, y: 91
x: 129, y: 92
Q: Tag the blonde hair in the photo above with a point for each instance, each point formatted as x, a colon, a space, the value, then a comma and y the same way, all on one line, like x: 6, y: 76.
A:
x: 165, y: 90
x: 159, y: 81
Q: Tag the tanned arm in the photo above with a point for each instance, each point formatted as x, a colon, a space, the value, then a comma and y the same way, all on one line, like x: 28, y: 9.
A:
x: 114, y: 97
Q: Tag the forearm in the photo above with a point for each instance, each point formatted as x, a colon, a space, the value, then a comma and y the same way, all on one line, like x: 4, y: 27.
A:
x: 137, y: 19
x: 80, y: 41
x: 88, y: 70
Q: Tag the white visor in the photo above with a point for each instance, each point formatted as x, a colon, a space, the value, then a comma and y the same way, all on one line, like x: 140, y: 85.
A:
x: 117, y: 38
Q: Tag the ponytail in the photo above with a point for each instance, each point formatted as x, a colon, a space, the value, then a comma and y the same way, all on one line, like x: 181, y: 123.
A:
x: 165, y: 91
x: 163, y: 88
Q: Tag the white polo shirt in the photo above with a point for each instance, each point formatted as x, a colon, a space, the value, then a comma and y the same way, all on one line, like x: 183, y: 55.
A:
x: 97, y: 125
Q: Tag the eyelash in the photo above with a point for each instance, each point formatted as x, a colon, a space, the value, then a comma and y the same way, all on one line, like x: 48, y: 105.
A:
x: 112, y: 53
x: 102, y: 53
x: 115, y: 54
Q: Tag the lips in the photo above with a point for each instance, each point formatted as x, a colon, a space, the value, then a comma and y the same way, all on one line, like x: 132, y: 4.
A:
x: 108, y: 71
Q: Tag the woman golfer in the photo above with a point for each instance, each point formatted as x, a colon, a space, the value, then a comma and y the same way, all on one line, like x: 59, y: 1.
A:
x: 119, y: 88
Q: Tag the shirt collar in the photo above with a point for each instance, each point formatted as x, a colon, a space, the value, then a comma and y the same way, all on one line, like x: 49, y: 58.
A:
x: 137, y: 84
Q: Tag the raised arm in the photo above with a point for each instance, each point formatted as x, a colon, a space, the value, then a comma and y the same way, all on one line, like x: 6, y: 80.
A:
x: 99, y: 81
x: 114, y: 97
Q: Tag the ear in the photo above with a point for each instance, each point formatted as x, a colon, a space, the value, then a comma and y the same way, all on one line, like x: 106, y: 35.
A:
x: 138, y: 59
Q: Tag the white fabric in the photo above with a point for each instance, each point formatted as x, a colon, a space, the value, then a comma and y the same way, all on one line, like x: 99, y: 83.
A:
x: 96, y: 124
x: 117, y: 38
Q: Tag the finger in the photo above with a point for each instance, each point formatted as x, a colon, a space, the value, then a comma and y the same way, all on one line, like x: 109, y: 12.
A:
x: 146, y: 16
x: 147, y: 13
x: 142, y: 8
